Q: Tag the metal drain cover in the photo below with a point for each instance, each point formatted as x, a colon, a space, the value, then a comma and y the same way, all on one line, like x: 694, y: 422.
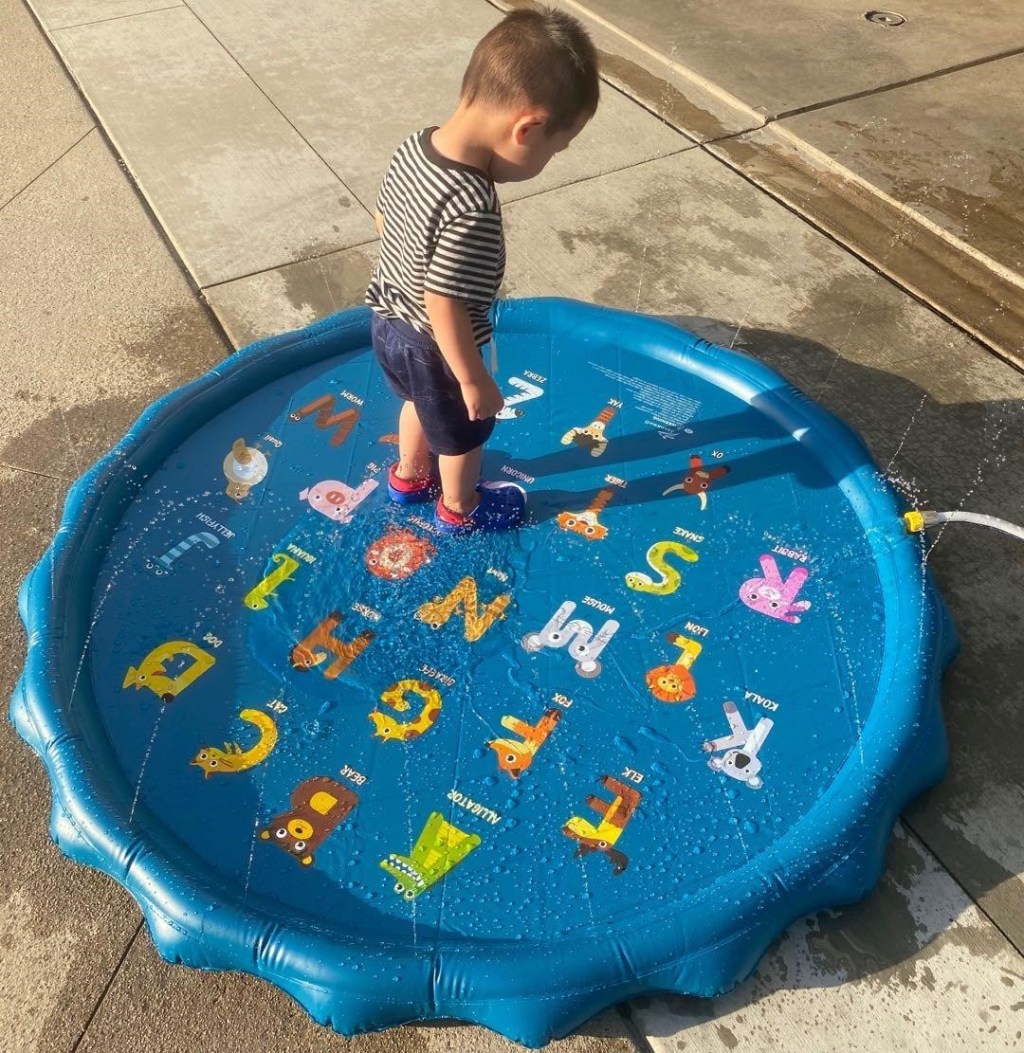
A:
x: 885, y: 18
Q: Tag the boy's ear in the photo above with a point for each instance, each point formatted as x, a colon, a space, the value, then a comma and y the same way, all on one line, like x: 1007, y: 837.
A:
x: 527, y: 125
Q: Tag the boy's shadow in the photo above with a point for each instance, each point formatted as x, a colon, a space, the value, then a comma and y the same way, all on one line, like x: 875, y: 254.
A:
x: 883, y: 408
x: 547, y: 502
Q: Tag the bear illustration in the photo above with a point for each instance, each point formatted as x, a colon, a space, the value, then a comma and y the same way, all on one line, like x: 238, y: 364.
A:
x: 318, y: 805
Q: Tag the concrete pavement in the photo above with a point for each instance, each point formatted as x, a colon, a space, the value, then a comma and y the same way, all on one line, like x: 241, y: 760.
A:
x: 902, y: 142
x: 255, y: 135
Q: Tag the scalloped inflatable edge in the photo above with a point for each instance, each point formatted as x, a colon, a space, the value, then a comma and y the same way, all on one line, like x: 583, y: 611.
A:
x: 531, y: 1021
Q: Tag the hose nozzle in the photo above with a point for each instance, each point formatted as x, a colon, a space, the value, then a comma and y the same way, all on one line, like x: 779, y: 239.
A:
x: 916, y: 521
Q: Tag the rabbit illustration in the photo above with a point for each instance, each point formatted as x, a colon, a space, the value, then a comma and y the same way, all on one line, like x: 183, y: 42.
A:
x: 772, y: 596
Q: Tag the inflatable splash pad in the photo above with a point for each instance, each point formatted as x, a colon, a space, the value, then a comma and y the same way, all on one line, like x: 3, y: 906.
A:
x: 510, y: 779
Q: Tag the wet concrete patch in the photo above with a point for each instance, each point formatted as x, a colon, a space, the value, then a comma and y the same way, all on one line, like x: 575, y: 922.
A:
x: 951, y: 148
x: 686, y: 237
x: 984, y: 299
x: 915, y: 966
x: 182, y: 1010
x: 62, y: 928
x: 290, y: 297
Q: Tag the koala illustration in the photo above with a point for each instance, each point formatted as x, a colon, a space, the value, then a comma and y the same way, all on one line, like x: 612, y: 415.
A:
x: 318, y: 805
x: 740, y: 759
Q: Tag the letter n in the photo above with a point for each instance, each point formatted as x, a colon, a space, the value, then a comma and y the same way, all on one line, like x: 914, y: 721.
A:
x: 438, y: 610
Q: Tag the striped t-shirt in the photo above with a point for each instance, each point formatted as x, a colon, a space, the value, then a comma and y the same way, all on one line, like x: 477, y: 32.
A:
x: 442, y: 234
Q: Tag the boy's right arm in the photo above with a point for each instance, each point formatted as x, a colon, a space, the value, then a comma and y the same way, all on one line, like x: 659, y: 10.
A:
x: 453, y: 331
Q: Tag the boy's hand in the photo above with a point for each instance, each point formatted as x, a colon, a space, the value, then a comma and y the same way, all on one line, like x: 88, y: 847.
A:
x: 482, y: 397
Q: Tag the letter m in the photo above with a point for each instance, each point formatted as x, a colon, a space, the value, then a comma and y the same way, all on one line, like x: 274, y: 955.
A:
x: 323, y: 407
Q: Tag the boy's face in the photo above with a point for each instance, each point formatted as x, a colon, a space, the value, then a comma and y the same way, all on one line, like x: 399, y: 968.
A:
x: 526, y: 148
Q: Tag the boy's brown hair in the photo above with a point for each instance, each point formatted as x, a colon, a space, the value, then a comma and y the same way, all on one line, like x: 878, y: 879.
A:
x: 538, y: 56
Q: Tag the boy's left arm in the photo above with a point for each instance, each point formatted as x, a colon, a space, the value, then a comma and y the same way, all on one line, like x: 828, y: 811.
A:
x: 378, y: 219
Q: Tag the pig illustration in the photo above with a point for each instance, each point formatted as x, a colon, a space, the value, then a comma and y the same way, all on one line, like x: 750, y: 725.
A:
x: 335, y: 499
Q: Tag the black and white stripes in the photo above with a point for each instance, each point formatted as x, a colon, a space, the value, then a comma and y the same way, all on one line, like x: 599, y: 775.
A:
x: 442, y: 234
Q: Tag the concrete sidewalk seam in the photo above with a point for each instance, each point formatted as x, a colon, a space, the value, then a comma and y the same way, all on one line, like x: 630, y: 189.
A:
x: 690, y: 145
x: 106, y: 988
x: 632, y: 1027
x: 98, y: 21
x: 814, y: 154
x: 281, y: 266
x: 54, y: 162
x: 966, y: 891
x: 35, y: 472
x: 882, y: 89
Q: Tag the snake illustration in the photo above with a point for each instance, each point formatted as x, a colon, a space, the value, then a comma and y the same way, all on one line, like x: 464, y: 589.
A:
x: 232, y: 758
x: 670, y: 577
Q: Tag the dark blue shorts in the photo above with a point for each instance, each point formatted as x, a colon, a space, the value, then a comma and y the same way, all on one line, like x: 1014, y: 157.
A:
x: 417, y: 372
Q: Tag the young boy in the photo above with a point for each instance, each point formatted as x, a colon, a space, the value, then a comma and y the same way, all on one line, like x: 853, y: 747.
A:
x: 530, y: 87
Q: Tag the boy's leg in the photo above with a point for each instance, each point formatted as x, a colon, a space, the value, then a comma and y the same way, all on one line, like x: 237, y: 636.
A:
x: 459, y: 475
x: 413, y: 449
